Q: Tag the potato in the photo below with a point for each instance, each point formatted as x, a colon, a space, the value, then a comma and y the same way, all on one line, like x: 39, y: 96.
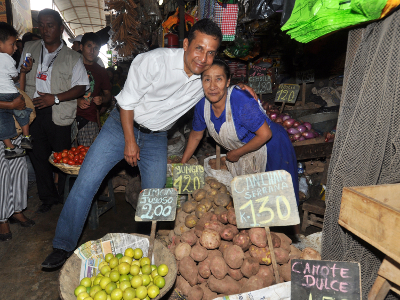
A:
x: 189, y: 206
x: 262, y: 254
x: 200, y: 279
x: 222, y: 199
x: 207, y: 203
x: 214, y: 225
x: 276, y: 241
x: 191, y: 221
x: 286, y: 246
x: 206, y: 187
x: 180, y: 228
x: 231, y: 216
x: 208, y: 179
x: 281, y: 255
x: 199, y: 194
x: 188, y: 270
x: 198, y: 230
x: 223, y: 189
x: 214, y: 184
x: 234, y: 256
x: 258, y: 237
x: 200, y: 210
x: 222, y: 217
x: 247, y: 254
x: 227, y: 286
x: 182, y: 250
x: 211, y: 193
x: 189, y: 237
x: 204, y: 268
x: 285, y: 271
x: 210, y: 239
x: 224, y: 245
x: 182, y: 285
x: 267, y: 274
x: 294, y: 252
x: 242, y: 240
x: 230, y: 205
x: 254, y: 283
x: 250, y: 267
x: 212, y: 253
x: 310, y: 253
x: 283, y: 237
x: 229, y: 232
x: 171, y: 236
x: 219, y: 210
x: 196, y: 293
x: 218, y: 267
x: 235, y: 274
x: 242, y: 281
x: 198, y: 253
x: 180, y: 216
x: 214, y: 217
x: 208, y: 294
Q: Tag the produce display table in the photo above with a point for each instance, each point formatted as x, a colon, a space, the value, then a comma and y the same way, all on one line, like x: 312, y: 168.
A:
x: 313, y: 148
x: 373, y: 214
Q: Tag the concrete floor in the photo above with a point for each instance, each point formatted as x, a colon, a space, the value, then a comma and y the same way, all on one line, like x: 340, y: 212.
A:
x: 21, y: 276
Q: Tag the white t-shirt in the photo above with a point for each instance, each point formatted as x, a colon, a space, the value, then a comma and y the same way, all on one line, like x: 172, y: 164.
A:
x: 158, y: 89
x: 7, y: 71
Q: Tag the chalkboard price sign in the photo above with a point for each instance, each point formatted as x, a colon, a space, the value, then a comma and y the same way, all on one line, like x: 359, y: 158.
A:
x: 188, y: 178
x: 325, y: 280
x: 264, y: 199
x: 287, y: 93
x: 157, y: 205
x: 305, y: 76
x: 257, y: 71
x: 261, y: 84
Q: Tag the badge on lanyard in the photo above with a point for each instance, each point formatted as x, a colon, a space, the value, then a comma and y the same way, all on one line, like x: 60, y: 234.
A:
x: 42, y: 76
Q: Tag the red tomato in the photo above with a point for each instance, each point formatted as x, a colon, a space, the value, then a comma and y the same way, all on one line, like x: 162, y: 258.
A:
x: 55, y: 161
x: 80, y: 161
x: 86, y: 148
x: 80, y: 146
x: 65, y: 160
x: 81, y: 156
x: 65, y: 150
x: 71, y: 162
x: 64, y: 154
x: 73, y: 149
x: 76, y: 158
x: 82, y: 150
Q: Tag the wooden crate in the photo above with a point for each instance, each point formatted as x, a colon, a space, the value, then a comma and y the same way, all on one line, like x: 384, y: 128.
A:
x: 373, y: 214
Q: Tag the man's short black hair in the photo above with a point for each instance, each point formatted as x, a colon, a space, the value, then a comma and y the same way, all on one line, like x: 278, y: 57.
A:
x: 51, y: 12
x: 91, y: 37
x: 206, y: 26
x: 27, y: 37
x: 6, y: 30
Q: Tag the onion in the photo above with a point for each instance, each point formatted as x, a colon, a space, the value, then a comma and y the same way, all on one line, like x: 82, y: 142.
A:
x: 288, y: 123
x: 291, y: 138
x: 275, y: 111
x: 302, y: 138
x: 308, y: 125
x: 273, y: 115
x: 296, y: 123
x: 292, y: 130
x: 296, y: 136
x: 308, y: 135
x: 285, y: 117
x: 301, y: 128
x: 278, y: 120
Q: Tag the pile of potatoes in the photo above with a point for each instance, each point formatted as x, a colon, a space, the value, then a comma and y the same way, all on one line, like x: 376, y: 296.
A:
x: 215, y: 258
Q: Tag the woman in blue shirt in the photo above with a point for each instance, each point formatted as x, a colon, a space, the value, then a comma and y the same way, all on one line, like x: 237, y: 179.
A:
x: 239, y: 124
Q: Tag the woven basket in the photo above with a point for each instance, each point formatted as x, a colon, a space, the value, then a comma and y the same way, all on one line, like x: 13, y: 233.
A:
x: 72, y: 170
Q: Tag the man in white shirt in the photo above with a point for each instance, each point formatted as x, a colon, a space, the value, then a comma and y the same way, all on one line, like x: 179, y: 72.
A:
x: 162, y: 85
x: 58, y: 77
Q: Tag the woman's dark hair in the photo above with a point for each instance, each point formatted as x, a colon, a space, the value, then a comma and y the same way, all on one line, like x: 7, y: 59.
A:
x: 221, y: 63
x: 206, y: 26
x: 6, y: 30
x: 51, y: 12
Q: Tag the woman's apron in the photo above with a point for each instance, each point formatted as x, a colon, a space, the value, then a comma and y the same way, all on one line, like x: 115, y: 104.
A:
x: 250, y: 163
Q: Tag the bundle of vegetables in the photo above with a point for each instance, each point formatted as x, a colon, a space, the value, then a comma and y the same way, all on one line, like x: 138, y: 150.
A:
x: 215, y: 258
x: 297, y: 130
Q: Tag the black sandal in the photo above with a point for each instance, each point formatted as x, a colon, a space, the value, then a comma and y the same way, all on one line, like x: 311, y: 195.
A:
x: 5, y: 236
x: 27, y: 223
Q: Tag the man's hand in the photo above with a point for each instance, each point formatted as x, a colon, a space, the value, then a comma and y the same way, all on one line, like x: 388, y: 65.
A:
x: 44, y: 100
x: 18, y: 103
x: 28, y: 66
x: 131, y: 153
x: 83, y: 103
x: 249, y: 89
x: 98, y: 100
x: 232, y: 156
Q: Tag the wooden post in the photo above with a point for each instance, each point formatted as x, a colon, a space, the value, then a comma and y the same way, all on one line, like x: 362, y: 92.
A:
x: 271, y: 250
x: 181, y: 22
x: 152, y: 238
x: 218, y: 157
x: 303, y: 94
x: 282, y: 107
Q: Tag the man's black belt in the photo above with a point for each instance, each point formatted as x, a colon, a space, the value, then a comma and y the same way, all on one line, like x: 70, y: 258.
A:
x: 142, y: 128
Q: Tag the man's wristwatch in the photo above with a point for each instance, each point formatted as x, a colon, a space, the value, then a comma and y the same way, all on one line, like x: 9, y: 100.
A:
x: 56, y: 100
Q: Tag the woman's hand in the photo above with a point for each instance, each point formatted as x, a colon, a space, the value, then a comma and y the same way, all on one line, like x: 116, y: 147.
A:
x: 233, y: 156
x: 83, y: 103
x: 18, y: 103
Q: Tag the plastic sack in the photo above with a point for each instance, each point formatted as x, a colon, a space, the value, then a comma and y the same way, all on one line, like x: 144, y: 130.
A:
x: 223, y: 176
x: 287, y: 10
x: 178, y: 145
x: 261, y: 10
